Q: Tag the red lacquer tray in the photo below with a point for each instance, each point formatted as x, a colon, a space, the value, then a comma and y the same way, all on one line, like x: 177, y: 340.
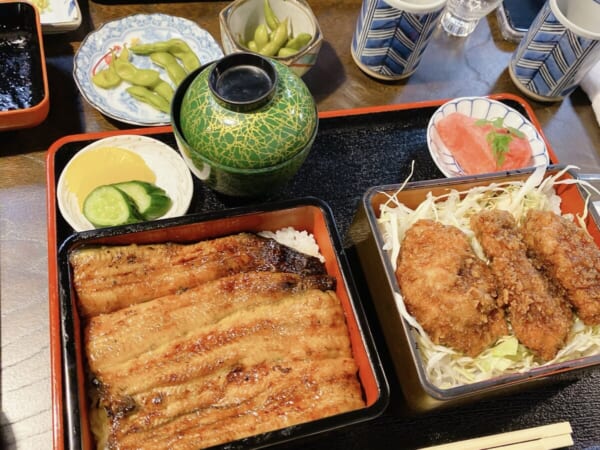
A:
x: 354, y: 150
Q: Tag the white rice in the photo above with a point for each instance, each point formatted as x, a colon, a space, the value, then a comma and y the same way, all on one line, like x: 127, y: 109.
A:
x: 301, y: 241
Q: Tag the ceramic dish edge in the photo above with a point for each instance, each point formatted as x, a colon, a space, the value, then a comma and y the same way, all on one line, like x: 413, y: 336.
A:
x: 60, y: 16
x: 481, y: 108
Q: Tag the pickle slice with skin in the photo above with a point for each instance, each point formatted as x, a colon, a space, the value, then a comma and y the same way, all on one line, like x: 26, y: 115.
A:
x: 151, y: 201
x: 108, y: 206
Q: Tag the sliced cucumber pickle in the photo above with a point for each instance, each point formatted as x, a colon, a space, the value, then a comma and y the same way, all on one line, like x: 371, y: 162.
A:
x: 150, y: 200
x: 108, y: 206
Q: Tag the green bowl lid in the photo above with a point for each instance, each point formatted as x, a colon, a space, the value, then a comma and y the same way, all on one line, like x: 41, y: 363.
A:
x: 248, y: 112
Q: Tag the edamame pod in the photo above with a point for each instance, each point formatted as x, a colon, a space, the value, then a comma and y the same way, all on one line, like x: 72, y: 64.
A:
x: 279, y: 38
x: 270, y: 17
x: 150, y: 97
x: 182, y: 51
x: 149, y: 48
x: 138, y: 77
x: 286, y: 51
x: 128, y: 72
x: 175, y: 46
x: 107, y: 78
x: 299, y: 41
x: 164, y: 89
x: 168, y: 62
x: 261, y: 35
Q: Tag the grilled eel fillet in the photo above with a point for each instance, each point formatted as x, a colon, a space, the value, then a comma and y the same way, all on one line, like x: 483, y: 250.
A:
x: 130, y: 332
x: 246, y: 354
x: 115, y: 277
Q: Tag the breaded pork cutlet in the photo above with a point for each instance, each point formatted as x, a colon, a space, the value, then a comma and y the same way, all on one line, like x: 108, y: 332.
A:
x: 539, y: 315
x: 570, y: 256
x: 448, y: 289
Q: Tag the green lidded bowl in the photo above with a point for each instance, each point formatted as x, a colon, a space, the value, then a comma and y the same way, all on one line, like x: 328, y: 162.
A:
x: 244, y: 124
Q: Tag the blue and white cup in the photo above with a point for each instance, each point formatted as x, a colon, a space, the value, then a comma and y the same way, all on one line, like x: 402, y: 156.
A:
x: 561, y: 46
x: 391, y: 36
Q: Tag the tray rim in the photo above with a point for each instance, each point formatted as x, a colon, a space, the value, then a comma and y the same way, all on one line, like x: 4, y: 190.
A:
x: 56, y: 361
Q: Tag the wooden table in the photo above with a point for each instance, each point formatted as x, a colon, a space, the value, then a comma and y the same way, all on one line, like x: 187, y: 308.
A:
x: 451, y: 67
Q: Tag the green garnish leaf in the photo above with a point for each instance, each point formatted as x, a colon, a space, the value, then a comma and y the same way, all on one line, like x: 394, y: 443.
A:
x: 498, y: 122
x: 500, y: 137
x: 499, y: 143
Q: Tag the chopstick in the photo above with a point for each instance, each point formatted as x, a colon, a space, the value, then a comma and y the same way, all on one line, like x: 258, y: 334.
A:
x: 545, y: 437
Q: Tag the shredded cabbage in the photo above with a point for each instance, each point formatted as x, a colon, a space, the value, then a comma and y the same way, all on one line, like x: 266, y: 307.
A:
x: 445, y: 367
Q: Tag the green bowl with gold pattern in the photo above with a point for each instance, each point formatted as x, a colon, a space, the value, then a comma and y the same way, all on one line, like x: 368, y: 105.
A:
x: 244, y: 124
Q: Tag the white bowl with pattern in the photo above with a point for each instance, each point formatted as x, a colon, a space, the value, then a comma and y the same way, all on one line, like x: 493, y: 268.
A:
x: 95, y: 50
x: 481, y: 108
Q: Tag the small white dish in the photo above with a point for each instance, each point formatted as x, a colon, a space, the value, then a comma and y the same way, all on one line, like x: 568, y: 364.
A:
x: 144, y: 28
x: 481, y: 108
x: 240, y: 18
x: 58, y: 16
x: 172, y: 175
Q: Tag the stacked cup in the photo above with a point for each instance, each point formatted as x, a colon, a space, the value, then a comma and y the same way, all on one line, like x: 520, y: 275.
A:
x: 391, y: 36
x: 559, y: 49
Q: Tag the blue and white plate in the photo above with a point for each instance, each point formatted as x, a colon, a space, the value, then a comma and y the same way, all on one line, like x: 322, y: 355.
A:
x: 481, y: 108
x: 58, y: 16
x: 94, y: 51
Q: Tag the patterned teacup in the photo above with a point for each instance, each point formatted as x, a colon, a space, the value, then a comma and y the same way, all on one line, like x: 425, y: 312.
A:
x: 391, y: 35
x: 561, y: 46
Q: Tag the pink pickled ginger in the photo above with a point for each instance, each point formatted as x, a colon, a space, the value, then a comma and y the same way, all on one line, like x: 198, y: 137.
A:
x: 467, y: 141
